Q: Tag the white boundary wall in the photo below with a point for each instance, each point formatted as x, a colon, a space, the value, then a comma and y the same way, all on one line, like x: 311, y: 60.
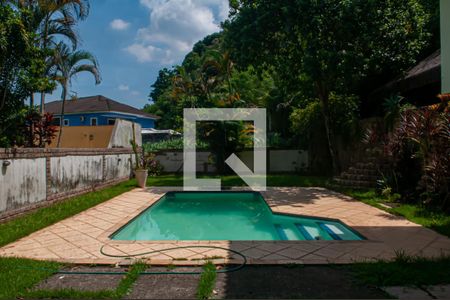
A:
x: 279, y: 161
x: 32, y: 177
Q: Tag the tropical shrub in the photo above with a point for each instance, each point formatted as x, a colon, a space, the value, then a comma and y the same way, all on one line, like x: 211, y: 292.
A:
x: 39, y: 129
x: 393, y: 108
x: 420, y: 147
x: 146, y: 160
x: 152, y: 165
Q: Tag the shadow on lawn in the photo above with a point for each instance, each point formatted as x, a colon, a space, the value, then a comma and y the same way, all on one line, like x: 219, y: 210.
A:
x: 284, y: 282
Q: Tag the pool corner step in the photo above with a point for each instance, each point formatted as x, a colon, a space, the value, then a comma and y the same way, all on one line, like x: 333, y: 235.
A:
x: 330, y: 231
x: 304, y: 232
x: 281, y: 232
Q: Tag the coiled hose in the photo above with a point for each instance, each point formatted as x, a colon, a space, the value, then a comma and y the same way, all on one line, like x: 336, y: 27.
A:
x: 225, y: 270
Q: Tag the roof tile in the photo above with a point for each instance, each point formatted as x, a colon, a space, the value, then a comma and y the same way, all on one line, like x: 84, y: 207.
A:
x: 94, y: 104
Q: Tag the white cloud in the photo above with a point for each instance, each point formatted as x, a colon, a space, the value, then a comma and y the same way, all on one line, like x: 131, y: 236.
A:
x: 123, y: 87
x: 174, y: 27
x: 119, y: 24
x: 135, y: 93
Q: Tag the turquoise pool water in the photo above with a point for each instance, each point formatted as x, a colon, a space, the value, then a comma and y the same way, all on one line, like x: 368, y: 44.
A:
x: 225, y: 216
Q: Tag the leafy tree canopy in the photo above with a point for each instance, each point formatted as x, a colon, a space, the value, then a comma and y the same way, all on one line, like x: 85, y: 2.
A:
x: 321, y: 47
x: 21, y: 62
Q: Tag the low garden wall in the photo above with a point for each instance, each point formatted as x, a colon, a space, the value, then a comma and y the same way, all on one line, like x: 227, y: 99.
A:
x: 278, y: 161
x: 31, y: 178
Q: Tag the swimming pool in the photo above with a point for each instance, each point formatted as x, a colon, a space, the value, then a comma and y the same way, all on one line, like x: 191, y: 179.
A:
x: 233, y: 216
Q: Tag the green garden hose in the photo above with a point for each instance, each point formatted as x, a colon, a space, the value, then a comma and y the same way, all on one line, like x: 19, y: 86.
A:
x: 225, y: 270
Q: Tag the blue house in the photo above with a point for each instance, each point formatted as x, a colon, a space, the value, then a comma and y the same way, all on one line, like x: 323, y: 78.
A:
x: 98, y: 111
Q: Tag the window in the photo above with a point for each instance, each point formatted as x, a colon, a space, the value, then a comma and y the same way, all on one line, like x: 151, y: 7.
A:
x: 93, y: 121
x: 56, y: 121
x: 66, y: 122
x: 111, y: 121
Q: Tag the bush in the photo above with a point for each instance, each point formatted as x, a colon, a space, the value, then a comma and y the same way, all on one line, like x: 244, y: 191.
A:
x: 172, y: 144
x: 153, y: 166
x: 420, y: 147
x: 276, y: 141
x: 308, y: 121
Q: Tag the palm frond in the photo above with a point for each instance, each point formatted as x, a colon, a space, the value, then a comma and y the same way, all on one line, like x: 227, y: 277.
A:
x: 88, y: 68
x: 81, y: 55
x: 57, y: 28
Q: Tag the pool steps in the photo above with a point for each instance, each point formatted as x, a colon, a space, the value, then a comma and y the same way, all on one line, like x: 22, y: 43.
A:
x: 304, y: 232
x: 286, y: 234
x: 281, y: 232
x: 330, y: 231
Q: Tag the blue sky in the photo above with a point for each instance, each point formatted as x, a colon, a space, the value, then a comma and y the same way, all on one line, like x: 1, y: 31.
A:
x: 134, y: 39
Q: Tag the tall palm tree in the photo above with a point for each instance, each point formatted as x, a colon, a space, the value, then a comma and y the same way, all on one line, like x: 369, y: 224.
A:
x: 67, y: 64
x: 51, y: 19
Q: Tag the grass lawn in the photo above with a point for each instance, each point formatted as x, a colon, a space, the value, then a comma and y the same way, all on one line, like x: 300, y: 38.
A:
x: 433, y: 219
x: 404, y: 270
x: 17, y: 275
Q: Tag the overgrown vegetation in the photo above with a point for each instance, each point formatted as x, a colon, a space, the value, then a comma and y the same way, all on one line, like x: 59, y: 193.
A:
x: 41, y: 218
x: 415, y: 144
x: 126, y: 284
x: 420, y: 148
x: 207, y: 281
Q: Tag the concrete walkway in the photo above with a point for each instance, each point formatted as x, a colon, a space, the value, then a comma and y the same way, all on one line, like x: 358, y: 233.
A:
x: 428, y: 292
x: 78, y: 239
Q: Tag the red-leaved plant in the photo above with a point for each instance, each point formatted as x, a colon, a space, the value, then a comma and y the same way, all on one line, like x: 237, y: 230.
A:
x: 39, y: 129
x: 424, y: 135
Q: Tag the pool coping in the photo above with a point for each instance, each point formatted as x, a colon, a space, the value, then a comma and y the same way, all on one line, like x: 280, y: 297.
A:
x: 79, y: 238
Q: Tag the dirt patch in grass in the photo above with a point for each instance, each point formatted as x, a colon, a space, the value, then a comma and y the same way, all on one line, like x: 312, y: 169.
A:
x: 166, y: 286
x: 83, y: 282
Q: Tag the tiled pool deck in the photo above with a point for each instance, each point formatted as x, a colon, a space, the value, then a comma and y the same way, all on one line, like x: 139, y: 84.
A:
x: 78, y: 239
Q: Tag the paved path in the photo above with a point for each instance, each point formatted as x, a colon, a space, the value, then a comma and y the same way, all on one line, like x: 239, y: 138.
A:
x: 427, y: 292
x: 78, y: 239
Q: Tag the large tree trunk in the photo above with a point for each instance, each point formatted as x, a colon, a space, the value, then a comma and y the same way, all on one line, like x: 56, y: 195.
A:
x: 61, y: 126
x: 324, y: 96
